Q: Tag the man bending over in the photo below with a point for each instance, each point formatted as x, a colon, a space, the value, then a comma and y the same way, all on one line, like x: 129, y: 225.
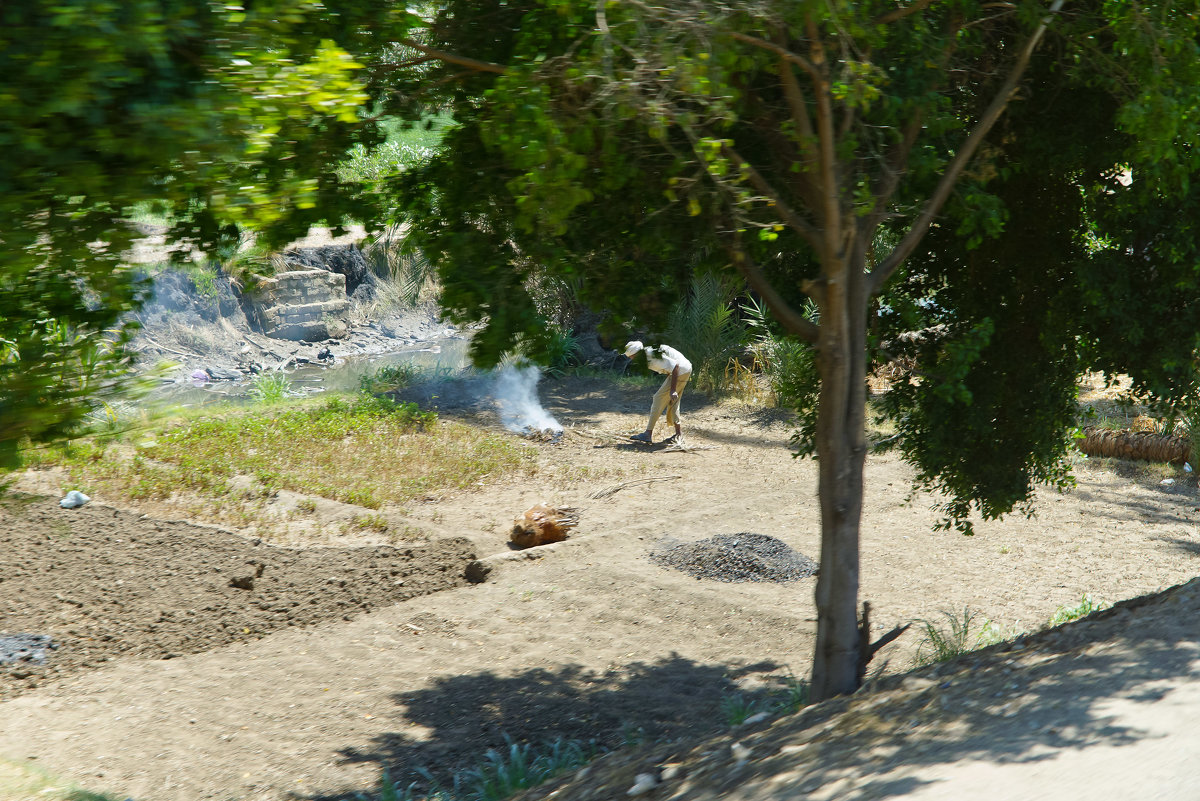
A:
x: 663, y: 359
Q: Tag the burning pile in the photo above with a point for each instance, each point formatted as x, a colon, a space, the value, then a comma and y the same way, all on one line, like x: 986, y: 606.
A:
x: 515, y: 391
x: 550, y: 435
x: 736, y: 558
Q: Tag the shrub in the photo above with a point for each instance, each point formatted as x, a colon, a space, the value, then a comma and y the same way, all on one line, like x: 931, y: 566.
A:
x: 270, y: 387
x: 1085, y: 607
x: 703, y: 326
x: 941, y: 645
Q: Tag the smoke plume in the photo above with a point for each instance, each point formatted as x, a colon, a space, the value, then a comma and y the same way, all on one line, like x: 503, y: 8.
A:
x: 515, y: 391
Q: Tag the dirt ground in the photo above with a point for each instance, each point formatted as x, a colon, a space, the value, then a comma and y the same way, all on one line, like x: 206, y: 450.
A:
x: 264, y: 697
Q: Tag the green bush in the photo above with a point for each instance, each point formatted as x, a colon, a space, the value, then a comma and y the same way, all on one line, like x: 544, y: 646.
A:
x: 940, y: 645
x: 389, y: 378
x: 562, y: 351
x: 270, y: 387
x: 1085, y: 607
x: 703, y: 326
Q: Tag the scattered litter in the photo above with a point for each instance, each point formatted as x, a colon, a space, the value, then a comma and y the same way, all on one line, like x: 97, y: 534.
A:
x: 200, y: 376
x: 1167, y: 481
x: 73, y: 498
x: 1187, y: 467
x: 736, y: 558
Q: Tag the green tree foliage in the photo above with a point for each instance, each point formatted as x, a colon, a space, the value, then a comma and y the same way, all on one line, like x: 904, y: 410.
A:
x: 939, y: 178
x: 218, y: 114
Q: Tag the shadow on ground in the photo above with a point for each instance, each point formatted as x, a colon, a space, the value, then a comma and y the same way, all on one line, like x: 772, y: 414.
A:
x: 467, y: 715
x: 1021, y: 702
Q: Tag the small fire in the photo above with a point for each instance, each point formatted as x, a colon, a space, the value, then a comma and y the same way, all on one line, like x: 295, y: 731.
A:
x: 515, y: 391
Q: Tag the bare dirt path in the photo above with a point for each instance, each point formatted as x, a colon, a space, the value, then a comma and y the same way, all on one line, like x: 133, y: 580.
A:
x: 586, y: 639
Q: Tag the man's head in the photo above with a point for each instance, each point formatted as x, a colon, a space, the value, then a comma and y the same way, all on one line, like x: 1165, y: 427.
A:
x: 632, y: 348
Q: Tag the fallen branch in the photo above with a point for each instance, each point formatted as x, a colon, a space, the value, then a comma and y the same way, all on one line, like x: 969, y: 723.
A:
x: 604, y: 493
x: 164, y: 347
x: 601, y: 435
x: 679, y: 446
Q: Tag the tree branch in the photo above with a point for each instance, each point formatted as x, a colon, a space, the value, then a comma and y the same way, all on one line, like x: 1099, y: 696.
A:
x: 793, y: 220
x: 901, y: 13
x: 788, y: 317
x: 895, y: 167
x: 779, y: 50
x: 830, y: 202
x: 920, y: 227
x: 795, y: 99
x: 451, y: 58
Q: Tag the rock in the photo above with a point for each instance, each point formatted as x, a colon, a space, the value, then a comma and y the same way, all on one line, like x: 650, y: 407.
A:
x: 25, y: 648
x: 73, y: 499
x: 337, y: 329
x: 642, y: 784
x: 477, y: 572
x: 345, y: 260
x: 916, y: 684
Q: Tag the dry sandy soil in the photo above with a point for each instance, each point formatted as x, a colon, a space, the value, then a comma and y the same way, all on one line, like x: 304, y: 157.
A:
x: 327, y: 668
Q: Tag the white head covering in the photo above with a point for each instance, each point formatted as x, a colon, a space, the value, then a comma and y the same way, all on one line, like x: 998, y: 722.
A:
x: 632, y: 348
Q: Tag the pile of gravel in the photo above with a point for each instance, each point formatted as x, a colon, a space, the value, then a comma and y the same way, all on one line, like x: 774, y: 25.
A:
x: 735, y: 558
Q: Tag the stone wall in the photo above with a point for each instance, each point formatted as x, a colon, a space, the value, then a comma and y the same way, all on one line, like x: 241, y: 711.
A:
x: 302, y: 304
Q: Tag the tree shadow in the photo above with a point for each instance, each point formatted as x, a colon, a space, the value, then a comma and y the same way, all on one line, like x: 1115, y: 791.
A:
x: 1018, y: 702
x: 1187, y: 546
x: 1166, y: 506
x: 464, y: 716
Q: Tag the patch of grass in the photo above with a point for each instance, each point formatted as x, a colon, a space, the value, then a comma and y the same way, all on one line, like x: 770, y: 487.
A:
x: 1065, y: 614
x: 790, y: 696
x: 518, y: 767
x: 270, y: 387
x: 369, y: 451
x: 389, y: 378
x: 795, y: 694
x: 962, y: 635
x: 374, y: 522
x: 736, y: 708
x: 23, y: 781
x: 500, y: 774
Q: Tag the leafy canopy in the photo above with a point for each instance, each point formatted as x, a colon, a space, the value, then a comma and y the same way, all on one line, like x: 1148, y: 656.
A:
x: 630, y: 146
x: 215, y: 114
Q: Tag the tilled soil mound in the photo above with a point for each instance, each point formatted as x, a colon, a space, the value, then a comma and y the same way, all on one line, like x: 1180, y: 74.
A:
x: 735, y: 558
x: 102, y: 583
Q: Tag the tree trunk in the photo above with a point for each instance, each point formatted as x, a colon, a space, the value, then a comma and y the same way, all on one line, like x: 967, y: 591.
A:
x: 841, y: 454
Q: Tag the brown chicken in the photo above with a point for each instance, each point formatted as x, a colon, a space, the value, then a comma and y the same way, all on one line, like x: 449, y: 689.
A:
x: 543, y: 524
